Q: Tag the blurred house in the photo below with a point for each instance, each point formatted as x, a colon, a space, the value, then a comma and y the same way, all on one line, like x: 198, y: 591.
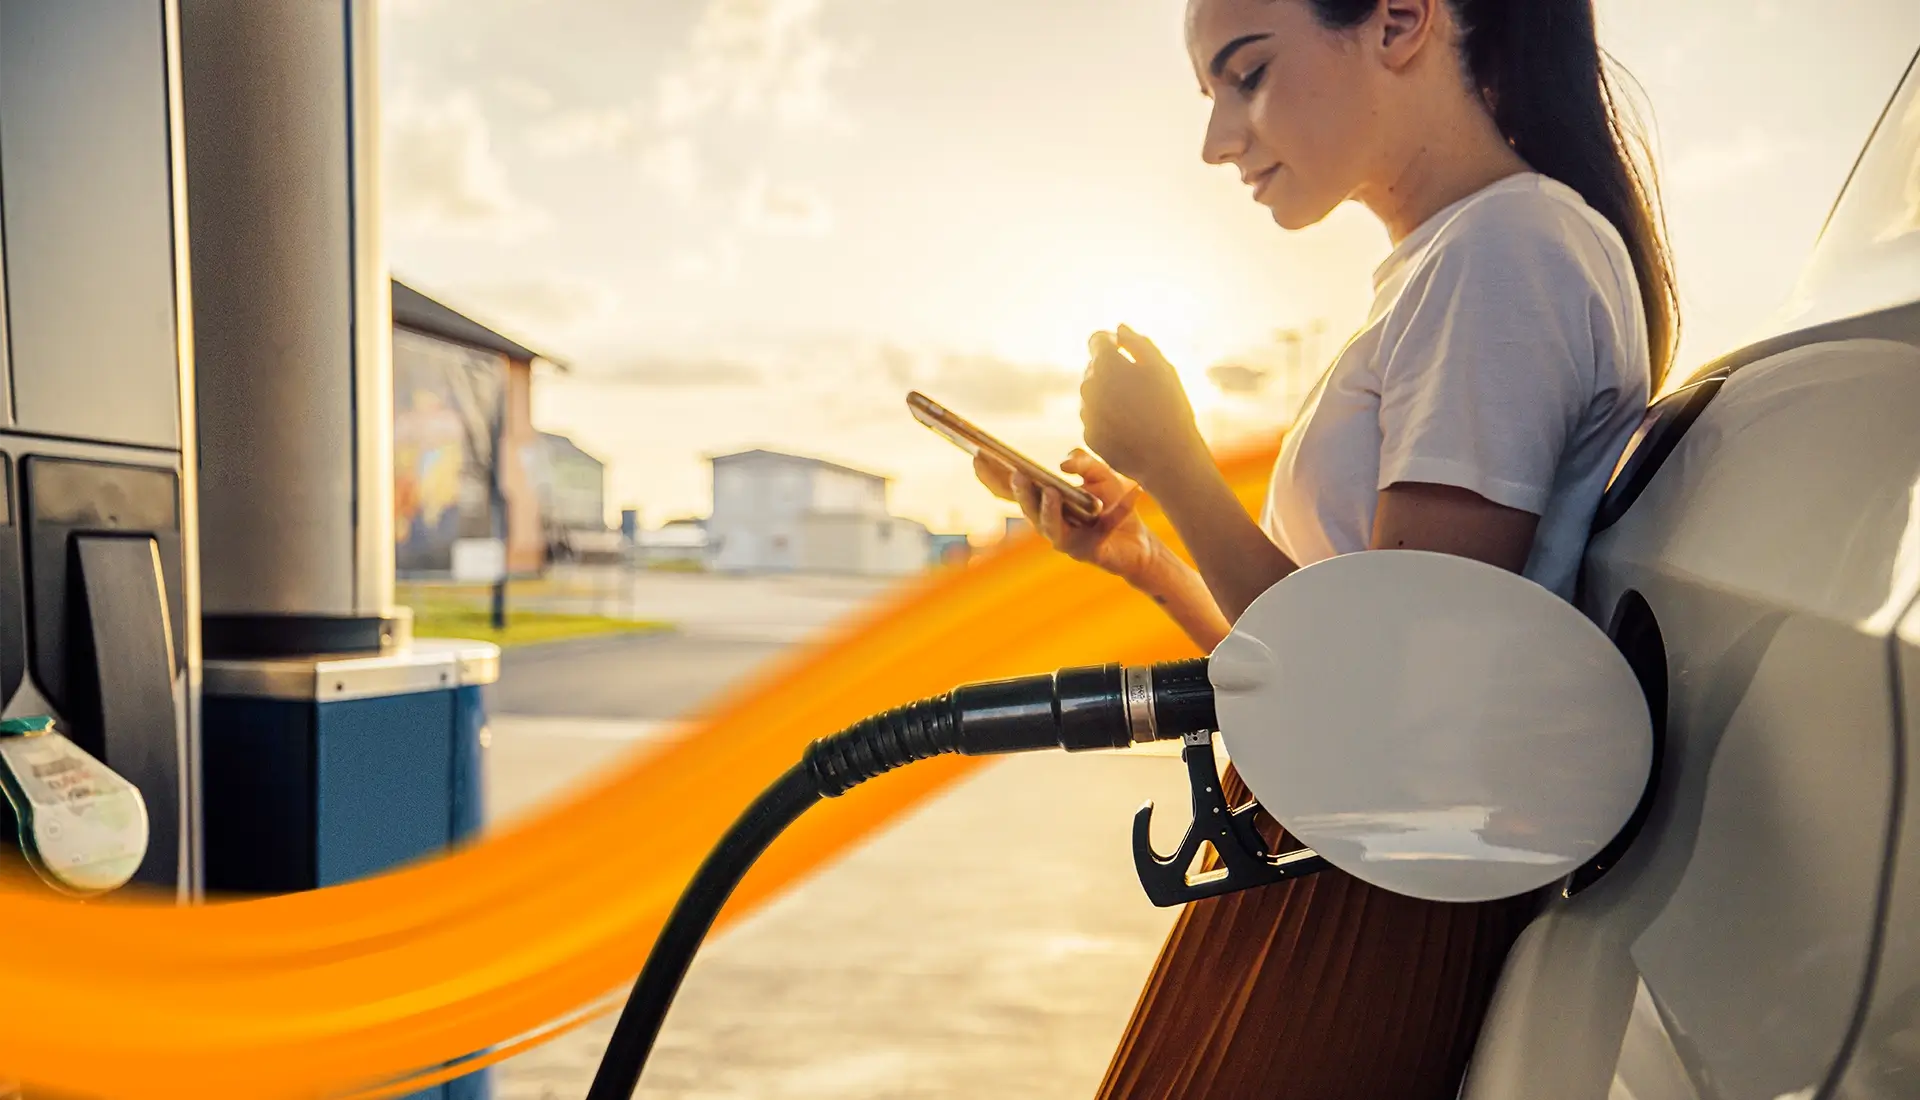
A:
x: 951, y: 549
x: 460, y: 388
x: 682, y: 542
x: 779, y: 513
x: 572, y: 486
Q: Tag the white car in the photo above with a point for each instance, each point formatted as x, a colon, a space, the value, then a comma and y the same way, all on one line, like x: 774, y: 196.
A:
x: 1756, y: 934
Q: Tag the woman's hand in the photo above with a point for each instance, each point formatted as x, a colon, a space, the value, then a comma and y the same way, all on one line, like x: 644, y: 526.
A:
x: 1117, y: 542
x: 1134, y: 411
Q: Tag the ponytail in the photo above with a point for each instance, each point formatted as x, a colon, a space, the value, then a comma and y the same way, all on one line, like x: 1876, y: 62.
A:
x: 1540, y: 66
x: 1544, y: 75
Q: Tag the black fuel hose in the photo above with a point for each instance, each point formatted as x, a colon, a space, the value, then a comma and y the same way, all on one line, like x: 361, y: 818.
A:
x: 1099, y: 707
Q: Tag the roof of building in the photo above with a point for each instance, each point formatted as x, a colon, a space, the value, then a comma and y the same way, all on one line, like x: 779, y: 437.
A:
x: 565, y: 444
x: 416, y: 311
x: 761, y: 452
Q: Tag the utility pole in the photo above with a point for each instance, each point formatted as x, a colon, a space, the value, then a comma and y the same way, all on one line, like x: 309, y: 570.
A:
x: 497, y: 498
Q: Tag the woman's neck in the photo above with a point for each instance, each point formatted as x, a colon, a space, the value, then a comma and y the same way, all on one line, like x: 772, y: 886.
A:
x: 1451, y: 158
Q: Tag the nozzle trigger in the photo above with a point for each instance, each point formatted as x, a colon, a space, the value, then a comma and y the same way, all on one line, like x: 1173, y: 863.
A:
x: 1244, y: 861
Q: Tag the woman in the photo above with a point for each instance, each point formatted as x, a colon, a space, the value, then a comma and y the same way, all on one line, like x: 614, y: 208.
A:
x: 1526, y: 310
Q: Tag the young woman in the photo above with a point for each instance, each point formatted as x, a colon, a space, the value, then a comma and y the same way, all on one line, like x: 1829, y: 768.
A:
x: 1525, y: 312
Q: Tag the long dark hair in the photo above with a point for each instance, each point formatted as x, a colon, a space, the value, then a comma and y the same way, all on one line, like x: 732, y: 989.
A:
x: 1540, y: 66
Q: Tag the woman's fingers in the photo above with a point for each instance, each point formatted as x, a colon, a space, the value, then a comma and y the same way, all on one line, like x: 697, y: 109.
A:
x: 1100, y: 345
x: 993, y: 474
x: 1096, y: 476
x: 1027, y: 495
x: 1050, y: 523
x: 1137, y: 347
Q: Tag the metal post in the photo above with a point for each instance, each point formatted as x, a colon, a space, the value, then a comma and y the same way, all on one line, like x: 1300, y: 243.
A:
x: 292, y: 324
x: 497, y: 500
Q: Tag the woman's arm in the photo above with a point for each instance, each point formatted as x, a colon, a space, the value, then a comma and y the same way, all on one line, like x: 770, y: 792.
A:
x: 1119, y: 542
x: 1184, y: 596
x: 1413, y: 515
x: 1137, y: 417
x: 1236, y: 559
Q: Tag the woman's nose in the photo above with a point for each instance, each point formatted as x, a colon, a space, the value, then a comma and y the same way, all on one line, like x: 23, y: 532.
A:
x: 1225, y: 139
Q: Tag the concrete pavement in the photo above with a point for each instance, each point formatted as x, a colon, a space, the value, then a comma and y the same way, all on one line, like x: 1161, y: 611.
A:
x: 989, y: 945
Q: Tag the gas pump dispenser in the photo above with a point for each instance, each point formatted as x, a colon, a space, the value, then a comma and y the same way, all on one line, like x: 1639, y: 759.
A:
x: 99, y: 647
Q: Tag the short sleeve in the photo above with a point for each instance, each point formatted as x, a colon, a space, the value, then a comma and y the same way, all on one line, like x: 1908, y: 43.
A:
x: 1487, y: 362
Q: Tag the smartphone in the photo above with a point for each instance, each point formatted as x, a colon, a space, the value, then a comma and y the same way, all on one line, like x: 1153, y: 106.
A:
x: 1076, y: 504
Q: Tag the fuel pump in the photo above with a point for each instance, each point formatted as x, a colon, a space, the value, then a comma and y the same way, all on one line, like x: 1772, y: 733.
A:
x: 99, y: 604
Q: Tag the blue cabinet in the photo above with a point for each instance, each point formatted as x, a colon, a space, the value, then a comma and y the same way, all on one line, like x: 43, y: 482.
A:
x: 317, y: 771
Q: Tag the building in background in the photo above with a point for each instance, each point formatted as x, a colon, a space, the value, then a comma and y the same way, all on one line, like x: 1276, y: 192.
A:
x: 779, y: 513
x: 572, y: 487
x: 678, y: 544
x: 458, y: 384
x: 951, y: 549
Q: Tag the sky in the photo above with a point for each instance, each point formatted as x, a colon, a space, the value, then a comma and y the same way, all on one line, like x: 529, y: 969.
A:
x: 758, y: 223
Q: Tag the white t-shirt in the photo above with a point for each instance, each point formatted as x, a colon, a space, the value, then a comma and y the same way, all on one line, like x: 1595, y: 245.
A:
x: 1506, y: 354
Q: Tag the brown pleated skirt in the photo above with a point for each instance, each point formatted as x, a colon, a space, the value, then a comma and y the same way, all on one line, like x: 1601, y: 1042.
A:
x: 1323, y: 988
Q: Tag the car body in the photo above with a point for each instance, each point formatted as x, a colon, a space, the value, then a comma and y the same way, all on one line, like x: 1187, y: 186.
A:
x: 1758, y: 559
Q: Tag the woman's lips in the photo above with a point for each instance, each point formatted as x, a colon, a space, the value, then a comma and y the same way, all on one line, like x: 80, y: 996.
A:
x: 1259, y: 183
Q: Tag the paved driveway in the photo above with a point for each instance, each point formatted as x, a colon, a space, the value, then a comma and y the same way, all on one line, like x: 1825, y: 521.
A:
x: 990, y: 945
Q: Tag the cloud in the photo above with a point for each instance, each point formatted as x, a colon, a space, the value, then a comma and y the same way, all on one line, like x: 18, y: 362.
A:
x: 783, y: 210
x: 719, y: 262
x: 1238, y: 378
x: 583, y: 129
x: 537, y: 305
x: 977, y: 385
x: 679, y: 372
x: 521, y: 92
x: 673, y: 165
x: 750, y: 62
x: 756, y: 59
x: 442, y: 175
x: 1732, y: 161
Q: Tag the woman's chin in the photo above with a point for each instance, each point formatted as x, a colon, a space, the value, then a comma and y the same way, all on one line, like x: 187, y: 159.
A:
x: 1291, y: 213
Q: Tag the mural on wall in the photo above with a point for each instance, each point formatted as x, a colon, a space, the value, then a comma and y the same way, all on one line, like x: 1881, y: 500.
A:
x: 446, y: 403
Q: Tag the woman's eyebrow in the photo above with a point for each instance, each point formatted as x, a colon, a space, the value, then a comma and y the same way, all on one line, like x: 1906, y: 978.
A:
x: 1227, y: 51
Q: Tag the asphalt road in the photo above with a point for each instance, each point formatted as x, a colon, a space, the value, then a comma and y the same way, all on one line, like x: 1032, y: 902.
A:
x: 645, y: 676
x: 989, y: 945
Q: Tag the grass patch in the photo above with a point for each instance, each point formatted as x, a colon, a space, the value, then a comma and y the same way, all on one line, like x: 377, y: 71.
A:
x: 675, y: 565
x: 448, y: 611
x: 523, y: 627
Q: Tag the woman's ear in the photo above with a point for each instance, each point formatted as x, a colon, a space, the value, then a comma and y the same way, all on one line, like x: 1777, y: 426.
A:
x: 1404, y: 27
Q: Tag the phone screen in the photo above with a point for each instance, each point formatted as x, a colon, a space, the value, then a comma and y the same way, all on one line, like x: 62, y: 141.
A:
x: 1077, y: 504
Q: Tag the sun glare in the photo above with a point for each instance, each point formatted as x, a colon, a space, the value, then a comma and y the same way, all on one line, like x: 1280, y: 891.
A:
x: 1177, y: 316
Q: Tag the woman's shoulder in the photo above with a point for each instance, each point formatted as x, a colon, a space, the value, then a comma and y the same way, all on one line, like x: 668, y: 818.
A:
x: 1533, y: 221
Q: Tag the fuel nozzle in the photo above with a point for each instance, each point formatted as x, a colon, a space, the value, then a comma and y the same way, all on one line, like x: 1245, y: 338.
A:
x: 1091, y: 707
x: 81, y: 826
x: 1078, y: 709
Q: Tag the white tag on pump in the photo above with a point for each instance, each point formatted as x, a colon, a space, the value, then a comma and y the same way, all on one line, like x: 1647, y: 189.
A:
x: 82, y: 826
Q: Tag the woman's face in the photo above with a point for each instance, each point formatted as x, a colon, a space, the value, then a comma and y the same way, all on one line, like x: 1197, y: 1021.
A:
x: 1296, y: 106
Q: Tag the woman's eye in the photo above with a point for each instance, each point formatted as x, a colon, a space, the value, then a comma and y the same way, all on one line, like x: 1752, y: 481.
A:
x: 1249, y: 82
